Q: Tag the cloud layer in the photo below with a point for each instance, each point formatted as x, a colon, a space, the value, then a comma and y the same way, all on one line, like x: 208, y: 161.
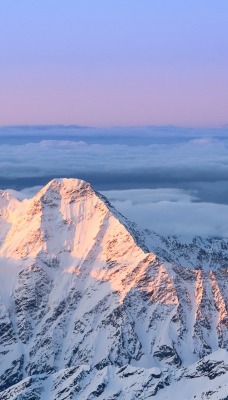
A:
x: 131, y: 160
x: 170, y: 180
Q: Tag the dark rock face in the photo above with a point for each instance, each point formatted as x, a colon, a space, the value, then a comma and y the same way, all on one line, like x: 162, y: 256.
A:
x: 12, y: 375
x: 168, y: 354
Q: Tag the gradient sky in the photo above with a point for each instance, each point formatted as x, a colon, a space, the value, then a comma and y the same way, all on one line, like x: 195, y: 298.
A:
x: 114, y: 62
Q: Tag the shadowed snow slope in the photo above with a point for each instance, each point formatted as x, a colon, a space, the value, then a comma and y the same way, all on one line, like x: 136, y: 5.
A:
x: 87, y: 311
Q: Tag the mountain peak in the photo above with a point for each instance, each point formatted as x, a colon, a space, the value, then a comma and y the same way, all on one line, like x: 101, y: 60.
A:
x: 67, y: 183
x: 83, y: 302
x: 64, y: 187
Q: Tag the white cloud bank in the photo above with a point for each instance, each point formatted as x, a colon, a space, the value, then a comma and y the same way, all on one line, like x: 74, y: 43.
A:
x: 190, y: 160
x: 171, y: 212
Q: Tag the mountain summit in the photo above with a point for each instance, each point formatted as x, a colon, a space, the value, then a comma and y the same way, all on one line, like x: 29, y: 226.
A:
x: 91, y: 307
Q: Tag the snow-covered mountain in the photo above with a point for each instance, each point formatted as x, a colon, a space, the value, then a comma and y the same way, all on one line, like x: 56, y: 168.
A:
x: 90, y: 307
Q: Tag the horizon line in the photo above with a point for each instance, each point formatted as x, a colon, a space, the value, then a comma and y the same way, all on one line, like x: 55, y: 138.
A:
x: 77, y: 126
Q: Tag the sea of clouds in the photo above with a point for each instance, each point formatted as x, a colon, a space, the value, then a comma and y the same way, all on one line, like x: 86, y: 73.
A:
x: 168, y: 179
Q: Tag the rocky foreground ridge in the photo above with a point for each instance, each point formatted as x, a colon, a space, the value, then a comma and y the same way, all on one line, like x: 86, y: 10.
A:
x: 92, y: 308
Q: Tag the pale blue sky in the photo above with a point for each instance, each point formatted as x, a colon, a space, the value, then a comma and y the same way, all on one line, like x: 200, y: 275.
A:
x: 112, y: 62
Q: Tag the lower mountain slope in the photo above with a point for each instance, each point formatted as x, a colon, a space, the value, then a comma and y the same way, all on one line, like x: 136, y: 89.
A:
x: 87, y: 311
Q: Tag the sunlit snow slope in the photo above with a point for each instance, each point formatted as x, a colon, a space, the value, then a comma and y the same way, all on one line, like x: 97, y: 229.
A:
x: 87, y: 311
